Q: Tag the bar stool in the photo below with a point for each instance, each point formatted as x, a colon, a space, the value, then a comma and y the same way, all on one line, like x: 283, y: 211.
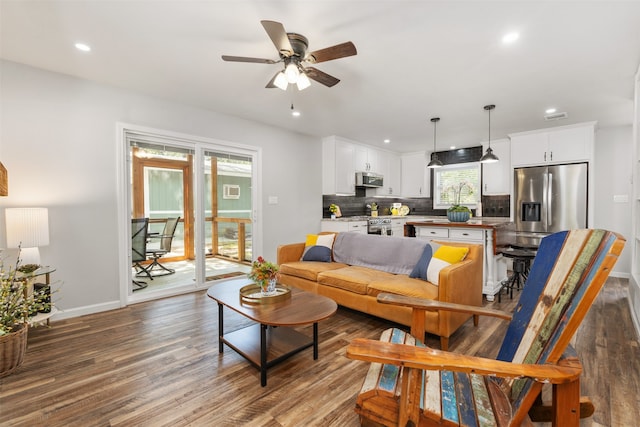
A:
x: 521, y: 265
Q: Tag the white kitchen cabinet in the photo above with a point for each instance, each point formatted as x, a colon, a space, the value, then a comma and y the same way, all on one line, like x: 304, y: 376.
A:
x: 563, y: 144
x: 389, y: 167
x: 496, y: 176
x: 366, y: 159
x: 397, y: 226
x: 338, y: 166
x: 415, y: 177
x: 344, y: 226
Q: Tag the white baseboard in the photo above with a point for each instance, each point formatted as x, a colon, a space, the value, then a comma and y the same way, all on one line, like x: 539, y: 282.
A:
x: 620, y: 275
x: 81, y: 311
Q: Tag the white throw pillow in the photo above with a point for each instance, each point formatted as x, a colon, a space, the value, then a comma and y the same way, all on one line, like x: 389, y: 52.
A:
x: 433, y: 271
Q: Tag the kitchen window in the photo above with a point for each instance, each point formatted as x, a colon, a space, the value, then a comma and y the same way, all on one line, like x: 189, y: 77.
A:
x: 452, y: 175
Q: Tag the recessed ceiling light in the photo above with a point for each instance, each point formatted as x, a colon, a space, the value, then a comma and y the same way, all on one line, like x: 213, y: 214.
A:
x: 295, y: 113
x: 453, y: 147
x: 387, y: 141
x: 83, y: 47
x: 510, y: 37
x: 550, y: 110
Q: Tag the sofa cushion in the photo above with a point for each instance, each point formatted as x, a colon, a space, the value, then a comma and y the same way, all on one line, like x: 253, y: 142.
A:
x: 420, y: 269
x: 403, y: 285
x: 351, y: 278
x: 308, y: 269
x: 318, y: 247
x: 396, y: 255
x: 451, y: 254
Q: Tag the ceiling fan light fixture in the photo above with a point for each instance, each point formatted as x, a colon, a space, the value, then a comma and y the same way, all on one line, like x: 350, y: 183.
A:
x: 303, y: 81
x: 291, y: 72
x: 489, y: 157
x: 435, y: 162
x: 281, y: 81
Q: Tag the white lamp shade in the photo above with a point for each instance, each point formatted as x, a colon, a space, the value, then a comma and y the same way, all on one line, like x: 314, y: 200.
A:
x: 303, y: 81
x: 281, y: 81
x: 27, y: 227
x: 291, y: 72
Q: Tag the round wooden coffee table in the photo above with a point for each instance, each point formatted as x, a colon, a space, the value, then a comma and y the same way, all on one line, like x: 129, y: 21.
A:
x: 274, y: 324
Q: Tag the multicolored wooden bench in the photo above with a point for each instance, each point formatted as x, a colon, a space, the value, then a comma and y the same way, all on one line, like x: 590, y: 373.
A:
x: 409, y: 384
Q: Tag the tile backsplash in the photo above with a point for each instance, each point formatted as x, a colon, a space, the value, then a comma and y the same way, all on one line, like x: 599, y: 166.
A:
x: 493, y: 206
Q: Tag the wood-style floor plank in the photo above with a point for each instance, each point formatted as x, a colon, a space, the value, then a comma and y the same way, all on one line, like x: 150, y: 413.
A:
x: 157, y: 364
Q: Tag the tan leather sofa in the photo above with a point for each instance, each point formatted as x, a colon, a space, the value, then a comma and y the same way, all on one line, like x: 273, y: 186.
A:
x: 357, y: 287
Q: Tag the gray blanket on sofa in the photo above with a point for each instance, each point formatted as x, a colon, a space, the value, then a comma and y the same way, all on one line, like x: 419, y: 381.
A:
x: 396, y: 255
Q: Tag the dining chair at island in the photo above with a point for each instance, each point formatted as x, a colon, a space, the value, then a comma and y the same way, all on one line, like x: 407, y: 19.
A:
x: 154, y: 254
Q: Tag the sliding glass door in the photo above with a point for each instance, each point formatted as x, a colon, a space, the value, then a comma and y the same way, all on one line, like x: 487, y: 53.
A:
x: 209, y: 190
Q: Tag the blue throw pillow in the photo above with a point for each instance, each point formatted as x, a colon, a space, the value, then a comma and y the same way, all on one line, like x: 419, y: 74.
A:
x: 420, y: 270
x: 317, y: 253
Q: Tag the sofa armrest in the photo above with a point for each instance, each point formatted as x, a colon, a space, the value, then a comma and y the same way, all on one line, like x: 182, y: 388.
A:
x: 462, y: 282
x: 290, y: 252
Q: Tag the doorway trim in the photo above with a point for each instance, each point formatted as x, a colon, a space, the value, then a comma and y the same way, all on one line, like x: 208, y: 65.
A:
x: 125, y: 132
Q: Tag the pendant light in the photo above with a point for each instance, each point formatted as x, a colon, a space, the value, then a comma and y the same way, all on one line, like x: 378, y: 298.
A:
x: 435, y: 162
x: 489, y: 157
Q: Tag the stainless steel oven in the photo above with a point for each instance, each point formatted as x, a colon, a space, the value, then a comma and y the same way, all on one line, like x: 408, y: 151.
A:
x: 381, y: 226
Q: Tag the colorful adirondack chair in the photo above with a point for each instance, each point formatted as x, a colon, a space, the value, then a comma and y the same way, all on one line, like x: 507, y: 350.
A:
x: 409, y: 384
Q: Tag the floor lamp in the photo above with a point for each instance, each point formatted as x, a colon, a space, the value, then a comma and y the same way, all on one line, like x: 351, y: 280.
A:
x: 28, y: 229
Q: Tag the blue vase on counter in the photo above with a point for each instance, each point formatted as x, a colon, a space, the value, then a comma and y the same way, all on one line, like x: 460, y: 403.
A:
x: 458, y: 216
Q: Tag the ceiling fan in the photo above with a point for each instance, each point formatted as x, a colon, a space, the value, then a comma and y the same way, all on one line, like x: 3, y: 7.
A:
x: 292, y: 48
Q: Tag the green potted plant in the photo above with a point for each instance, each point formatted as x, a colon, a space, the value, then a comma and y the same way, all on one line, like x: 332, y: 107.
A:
x: 333, y: 208
x: 458, y: 212
x: 17, y: 303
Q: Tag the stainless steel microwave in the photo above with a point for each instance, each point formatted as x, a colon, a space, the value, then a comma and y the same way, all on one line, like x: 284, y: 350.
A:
x: 368, y: 179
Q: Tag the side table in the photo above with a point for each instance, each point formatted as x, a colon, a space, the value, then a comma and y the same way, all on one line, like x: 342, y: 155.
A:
x: 30, y: 279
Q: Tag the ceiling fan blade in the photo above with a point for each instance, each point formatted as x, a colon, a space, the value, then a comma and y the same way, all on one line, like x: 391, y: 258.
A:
x: 321, y: 77
x: 278, y: 36
x: 247, y: 59
x: 333, y: 52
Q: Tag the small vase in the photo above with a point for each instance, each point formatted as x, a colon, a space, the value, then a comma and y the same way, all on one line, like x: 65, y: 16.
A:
x: 268, y: 287
x: 456, y: 216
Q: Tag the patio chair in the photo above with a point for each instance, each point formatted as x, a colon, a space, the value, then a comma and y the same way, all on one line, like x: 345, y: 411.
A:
x: 154, y: 254
x: 409, y: 384
x: 139, y: 248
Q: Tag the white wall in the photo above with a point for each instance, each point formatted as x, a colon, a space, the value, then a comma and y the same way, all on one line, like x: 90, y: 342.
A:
x: 58, y: 143
x: 612, y: 176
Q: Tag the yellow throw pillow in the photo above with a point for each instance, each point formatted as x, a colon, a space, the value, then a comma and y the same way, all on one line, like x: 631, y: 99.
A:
x: 451, y: 254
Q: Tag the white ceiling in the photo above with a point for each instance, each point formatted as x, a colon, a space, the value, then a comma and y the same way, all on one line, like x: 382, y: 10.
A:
x: 416, y: 60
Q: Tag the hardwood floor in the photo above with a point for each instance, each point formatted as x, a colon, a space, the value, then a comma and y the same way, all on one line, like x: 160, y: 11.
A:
x: 157, y: 364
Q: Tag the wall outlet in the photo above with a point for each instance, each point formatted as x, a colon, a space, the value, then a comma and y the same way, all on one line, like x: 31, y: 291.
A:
x: 273, y: 200
x: 620, y: 198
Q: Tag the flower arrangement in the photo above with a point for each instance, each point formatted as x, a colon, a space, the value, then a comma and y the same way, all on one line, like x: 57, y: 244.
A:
x: 263, y: 271
x: 333, y: 208
x: 15, y: 307
x: 458, y: 191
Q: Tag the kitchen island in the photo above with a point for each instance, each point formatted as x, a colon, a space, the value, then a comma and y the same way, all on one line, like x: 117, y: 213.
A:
x: 492, y: 233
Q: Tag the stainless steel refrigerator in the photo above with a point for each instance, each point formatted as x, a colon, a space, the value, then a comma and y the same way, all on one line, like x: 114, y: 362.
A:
x: 549, y: 199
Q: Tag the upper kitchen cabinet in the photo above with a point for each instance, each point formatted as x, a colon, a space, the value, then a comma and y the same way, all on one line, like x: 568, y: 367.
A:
x: 563, y: 144
x: 338, y: 166
x: 367, y: 159
x: 415, y: 177
x: 390, y: 167
x: 496, y: 176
